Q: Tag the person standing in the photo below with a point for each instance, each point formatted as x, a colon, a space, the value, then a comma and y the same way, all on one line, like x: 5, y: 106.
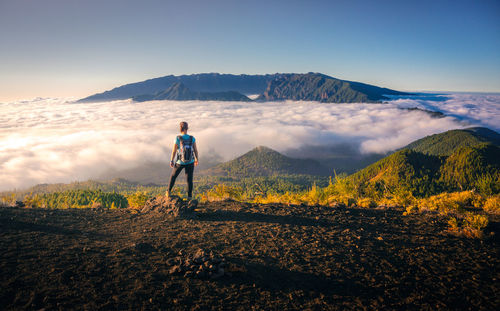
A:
x: 184, y: 157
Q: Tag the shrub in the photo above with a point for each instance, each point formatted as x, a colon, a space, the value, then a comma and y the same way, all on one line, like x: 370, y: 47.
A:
x: 7, y: 201
x: 446, y: 203
x: 314, y: 196
x: 138, y: 199
x: 453, y: 223
x: 411, y: 209
x: 492, y: 204
x: 222, y: 192
x: 475, y: 221
x: 471, y: 225
x: 76, y: 199
x: 342, y: 190
x: 367, y: 203
x: 402, y: 197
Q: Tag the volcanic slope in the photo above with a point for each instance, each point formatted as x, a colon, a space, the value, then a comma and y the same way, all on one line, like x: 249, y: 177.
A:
x: 444, y: 144
x: 450, y: 161
x: 264, y: 161
x: 278, y: 257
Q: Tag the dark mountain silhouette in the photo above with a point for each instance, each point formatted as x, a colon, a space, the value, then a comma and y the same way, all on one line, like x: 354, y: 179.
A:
x: 310, y: 86
x: 179, y: 91
x: 263, y: 161
x: 446, y: 143
x: 320, y: 87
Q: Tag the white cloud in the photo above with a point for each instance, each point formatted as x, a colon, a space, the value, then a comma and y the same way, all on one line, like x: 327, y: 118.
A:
x: 50, y: 140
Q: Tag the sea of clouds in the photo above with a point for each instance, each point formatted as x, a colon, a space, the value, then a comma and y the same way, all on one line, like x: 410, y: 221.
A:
x: 57, y: 140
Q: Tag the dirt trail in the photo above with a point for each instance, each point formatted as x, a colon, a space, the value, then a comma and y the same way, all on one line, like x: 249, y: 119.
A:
x: 286, y: 257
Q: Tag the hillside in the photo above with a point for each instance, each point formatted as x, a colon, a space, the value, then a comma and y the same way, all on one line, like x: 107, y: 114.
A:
x: 320, y: 87
x: 473, y: 167
x: 310, y: 86
x: 467, y: 168
x: 263, y: 161
x: 444, y: 144
x: 455, y: 160
x: 405, y: 169
x: 178, y: 91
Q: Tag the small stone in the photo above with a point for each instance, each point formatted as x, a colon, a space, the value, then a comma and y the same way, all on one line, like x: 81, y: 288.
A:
x: 175, y: 270
x: 171, y: 261
x: 189, y: 274
x: 198, y: 256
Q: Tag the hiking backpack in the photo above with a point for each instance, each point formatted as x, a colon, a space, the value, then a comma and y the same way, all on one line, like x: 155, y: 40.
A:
x: 185, y: 151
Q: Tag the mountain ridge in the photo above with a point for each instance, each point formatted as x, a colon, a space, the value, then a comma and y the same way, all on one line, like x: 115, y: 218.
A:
x: 178, y: 91
x: 279, y: 86
x: 444, y: 144
x: 322, y: 88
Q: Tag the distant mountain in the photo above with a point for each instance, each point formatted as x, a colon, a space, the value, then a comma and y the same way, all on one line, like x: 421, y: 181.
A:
x: 444, y: 144
x: 204, y: 82
x: 322, y: 88
x: 179, y: 91
x: 309, y: 86
x: 263, y: 161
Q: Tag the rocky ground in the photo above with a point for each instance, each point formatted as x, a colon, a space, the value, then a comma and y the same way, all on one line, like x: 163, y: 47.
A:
x: 232, y: 255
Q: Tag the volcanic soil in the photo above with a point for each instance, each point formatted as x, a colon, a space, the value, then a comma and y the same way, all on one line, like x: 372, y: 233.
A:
x: 277, y: 257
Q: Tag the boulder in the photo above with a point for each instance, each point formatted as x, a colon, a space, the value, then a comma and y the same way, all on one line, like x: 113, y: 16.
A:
x: 173, y: 205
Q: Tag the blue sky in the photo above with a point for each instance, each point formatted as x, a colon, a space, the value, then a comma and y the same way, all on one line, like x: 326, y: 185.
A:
x: 79, y: 47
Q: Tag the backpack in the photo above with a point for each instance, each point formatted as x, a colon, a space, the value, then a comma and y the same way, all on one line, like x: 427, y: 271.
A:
x: 185, y: 151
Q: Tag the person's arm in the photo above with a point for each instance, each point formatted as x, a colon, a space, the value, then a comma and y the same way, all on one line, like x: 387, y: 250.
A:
x: 174, y: 152
x: 195, y: 149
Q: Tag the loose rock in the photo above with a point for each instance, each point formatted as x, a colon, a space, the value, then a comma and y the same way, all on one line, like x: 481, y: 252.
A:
x: 173, y: 205
x: 201, y: 264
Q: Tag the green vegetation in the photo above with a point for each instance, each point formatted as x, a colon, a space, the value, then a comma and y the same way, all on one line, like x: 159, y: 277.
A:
x: 76, y: 199
x: 137, y: 194
x: 138, y: 199
x: 263, y: 161
x: 444, y: 144
x: 320, y: 87
x: 473, y: 168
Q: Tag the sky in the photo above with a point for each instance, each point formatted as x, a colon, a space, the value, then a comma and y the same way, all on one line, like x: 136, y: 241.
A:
x: 75, y: 48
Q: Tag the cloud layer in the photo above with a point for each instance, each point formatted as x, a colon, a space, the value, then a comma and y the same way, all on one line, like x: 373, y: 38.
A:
x: 53, y: 140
